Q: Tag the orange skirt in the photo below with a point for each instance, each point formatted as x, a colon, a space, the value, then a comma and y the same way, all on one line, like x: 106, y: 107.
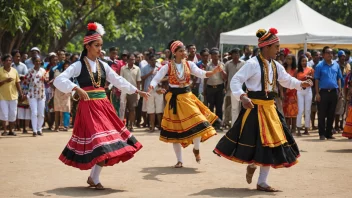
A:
x: 347, y: 130
x: 290, y: 104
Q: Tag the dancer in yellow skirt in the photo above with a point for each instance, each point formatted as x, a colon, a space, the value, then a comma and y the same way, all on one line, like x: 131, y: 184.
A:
x: 186, y: 120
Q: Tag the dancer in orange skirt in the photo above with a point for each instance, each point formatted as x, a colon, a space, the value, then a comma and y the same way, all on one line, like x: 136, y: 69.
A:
x: 186, y: 119
x: 99, y: 137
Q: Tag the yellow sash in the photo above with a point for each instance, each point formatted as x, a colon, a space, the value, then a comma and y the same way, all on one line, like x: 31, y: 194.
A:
x: 271, y: 130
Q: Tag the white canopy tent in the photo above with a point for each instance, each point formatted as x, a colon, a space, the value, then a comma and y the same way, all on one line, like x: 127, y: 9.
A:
x: 298, y: 27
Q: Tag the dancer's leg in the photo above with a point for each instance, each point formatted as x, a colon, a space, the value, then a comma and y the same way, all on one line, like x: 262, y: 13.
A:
x: 178, y: 152
x: 263, y: 176
x: 196, y: 142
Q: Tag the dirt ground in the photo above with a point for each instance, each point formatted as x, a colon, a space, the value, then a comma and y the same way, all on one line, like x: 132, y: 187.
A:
x: 30, y: 168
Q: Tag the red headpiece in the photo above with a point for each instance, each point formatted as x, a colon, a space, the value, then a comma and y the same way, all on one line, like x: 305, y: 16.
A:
x: 96, y: 27
x: 267, y: 37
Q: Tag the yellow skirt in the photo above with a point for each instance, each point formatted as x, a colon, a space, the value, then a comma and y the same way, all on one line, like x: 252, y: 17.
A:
x: 192, y: 119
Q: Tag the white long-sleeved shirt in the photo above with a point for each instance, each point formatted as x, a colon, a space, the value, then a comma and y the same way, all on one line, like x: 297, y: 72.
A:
x: 251, y: 75
x: 165, y: 69
x: 63, y: 83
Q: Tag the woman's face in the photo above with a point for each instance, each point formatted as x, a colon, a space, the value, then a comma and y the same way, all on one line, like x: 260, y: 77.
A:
x: 304, y: 62
x: 65, y: 66
x: 180, y: 53
x: 288, y: 60
x: 94, y: 49
x: 37, y: 62
x: 54, y: 60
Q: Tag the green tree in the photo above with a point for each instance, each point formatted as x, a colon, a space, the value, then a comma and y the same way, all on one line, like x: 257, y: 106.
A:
x: 24, y: 22
x: 52, y: 24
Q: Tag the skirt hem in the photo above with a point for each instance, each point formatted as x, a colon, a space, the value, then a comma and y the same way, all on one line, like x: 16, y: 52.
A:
x: 112, y: 158
x: 189, y: 140
x: 347, y: 135
x: 282, y: 165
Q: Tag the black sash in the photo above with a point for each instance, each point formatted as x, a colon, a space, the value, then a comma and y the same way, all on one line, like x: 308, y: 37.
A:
x: 175, y: 92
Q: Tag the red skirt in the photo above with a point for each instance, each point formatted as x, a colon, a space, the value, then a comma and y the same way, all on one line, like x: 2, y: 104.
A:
x: 98, y: 135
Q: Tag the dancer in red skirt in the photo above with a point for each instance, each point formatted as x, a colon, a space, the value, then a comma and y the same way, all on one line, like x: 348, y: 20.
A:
x: 99, y: 138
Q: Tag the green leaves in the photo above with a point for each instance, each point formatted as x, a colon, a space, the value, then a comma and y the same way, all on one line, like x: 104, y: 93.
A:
x: 138, y: 24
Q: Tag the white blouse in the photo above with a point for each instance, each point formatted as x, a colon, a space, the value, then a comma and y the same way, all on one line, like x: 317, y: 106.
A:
x: 165, y: 69
x: 63, y: 83
x: 251, y: 75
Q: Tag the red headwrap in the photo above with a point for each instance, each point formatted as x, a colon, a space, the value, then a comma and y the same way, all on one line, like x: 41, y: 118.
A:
x: 174, y: 46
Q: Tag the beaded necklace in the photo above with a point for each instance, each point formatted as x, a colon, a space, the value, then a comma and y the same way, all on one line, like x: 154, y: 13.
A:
x: 95, y: 84
x: 266, y: 74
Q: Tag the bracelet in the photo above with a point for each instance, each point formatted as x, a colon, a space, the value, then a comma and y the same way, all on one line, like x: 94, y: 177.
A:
x: 243, y: 95
x: 74, y: 89
x: 137, y: 91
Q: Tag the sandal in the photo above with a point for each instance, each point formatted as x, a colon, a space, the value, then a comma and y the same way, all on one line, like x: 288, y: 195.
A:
x: 250, y: 173
x: 266, y: 189
x: 4, y: 133
x: 90, y: 182
x: 92, y: 185
x: 197, y: 155
x: 178, y: 165
x: 306, y: 132
x: 99, y: 187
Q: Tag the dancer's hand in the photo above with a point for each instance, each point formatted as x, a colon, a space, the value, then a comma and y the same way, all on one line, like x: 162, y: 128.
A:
x: 161, y: 91
x: 309, y: 77
x: 246, y: 102
x: 217, y: 69
x: 144, y: 94
x: 82, y: 94
x: 150, y: 88
x: 307, y: 83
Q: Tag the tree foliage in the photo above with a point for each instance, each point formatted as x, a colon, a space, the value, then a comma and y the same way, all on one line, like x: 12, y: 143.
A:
x: 138, y: 24
x: 53, y: 24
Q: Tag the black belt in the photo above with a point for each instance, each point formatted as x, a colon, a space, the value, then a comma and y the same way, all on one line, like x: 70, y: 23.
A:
x: 261, y: 95
x: 328, y: 90
x: 215, y: 86
x: 175, y: 92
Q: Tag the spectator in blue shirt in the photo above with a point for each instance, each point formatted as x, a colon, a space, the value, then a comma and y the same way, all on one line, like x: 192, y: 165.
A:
x: 327, y: 77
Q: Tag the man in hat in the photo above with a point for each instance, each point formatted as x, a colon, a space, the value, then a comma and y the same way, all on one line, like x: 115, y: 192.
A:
x: 34, y: 53
x: 260, y: 135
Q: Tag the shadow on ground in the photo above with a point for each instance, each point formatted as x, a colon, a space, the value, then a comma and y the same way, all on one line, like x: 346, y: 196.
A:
x: 314, y: 140
x: 232, y: 192
x: 76, y: 192
x: 154, y: 172
x: 340, y: 151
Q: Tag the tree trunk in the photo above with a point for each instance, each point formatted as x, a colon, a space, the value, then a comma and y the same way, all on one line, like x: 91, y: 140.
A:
x: 19, y: 40
x: 30, y: 34
x: 12, y: 43
x: 68, y: 37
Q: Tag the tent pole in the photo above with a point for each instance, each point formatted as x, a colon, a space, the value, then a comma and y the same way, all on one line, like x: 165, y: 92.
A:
x: 305, y: 45
x: 222, y: 52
